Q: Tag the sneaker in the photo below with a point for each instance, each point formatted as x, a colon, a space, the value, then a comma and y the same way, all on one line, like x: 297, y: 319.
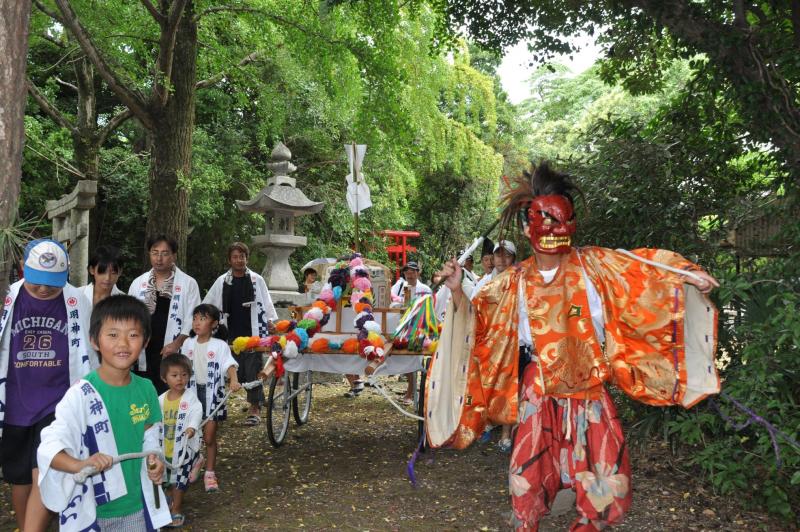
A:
x: 194, y: 474
x: 252, y: 421
x: 486, y: 437
x: 210, y: 481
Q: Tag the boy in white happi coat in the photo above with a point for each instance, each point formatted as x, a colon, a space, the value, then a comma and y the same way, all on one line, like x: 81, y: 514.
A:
x: 44, y: 349
x: 109, y: 413
x: 211, y: 363
x: 247, y: 310
x: 180, y: 440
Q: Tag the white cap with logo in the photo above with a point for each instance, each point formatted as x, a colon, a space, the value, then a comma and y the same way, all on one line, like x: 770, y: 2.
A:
x: 46, y: 262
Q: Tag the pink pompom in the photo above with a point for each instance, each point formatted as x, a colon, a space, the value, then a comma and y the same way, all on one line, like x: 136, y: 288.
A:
x: 362, y: 283
x: 314, y: 313
x: 354, y: 298
x: 426, y: 343
x: 358, y: 261
x: 326, y: 294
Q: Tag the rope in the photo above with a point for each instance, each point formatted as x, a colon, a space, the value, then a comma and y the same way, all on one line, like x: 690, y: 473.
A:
x: 376, y: 385
x: 81, y: 476
x: 661, y: 265
x: 773, y: 431
x: 246, y: 386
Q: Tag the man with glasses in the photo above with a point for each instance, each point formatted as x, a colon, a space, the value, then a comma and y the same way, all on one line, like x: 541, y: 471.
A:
x: 171, y: 296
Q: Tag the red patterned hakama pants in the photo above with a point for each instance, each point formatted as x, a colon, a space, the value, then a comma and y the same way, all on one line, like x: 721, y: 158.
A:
x: 568, y: 443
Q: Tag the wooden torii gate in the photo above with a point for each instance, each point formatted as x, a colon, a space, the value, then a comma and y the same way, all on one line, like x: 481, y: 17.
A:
x: 400, y: 248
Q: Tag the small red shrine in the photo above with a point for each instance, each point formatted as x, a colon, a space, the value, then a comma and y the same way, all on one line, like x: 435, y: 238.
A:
x: 399, y: 248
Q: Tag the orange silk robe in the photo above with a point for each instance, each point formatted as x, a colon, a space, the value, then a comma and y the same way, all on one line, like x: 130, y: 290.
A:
x: 644, y: 353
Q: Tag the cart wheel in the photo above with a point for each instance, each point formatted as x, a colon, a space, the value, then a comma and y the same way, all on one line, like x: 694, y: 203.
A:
x: 278, y: 409
x: 423, y: 377
x: 301, y: 404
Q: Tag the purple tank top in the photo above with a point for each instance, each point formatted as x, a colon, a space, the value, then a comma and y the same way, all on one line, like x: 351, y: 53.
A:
x: 38, y: 366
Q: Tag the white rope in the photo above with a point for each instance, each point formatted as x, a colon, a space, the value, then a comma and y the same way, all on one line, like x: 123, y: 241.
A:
x: 660, y: 265
x: 376, y: 385
x: 81, y: 476
x: 246, y: 386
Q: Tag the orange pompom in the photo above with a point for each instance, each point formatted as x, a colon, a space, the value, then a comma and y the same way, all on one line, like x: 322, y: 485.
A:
x: 253, y: 342
x: 320, y: 345
x: 283, y: 325
x: 360, y: 307
x: 321, y: 305
x: 350, y: 345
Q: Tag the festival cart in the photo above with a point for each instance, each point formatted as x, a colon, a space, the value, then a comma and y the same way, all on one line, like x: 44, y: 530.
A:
x: 333, y: 347
x: 293, y: 390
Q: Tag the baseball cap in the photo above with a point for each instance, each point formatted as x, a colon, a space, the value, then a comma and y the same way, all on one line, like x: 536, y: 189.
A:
x: 46, y: 262
x: 461, y: 252
x: 410, y: 266
x: 507, y: 245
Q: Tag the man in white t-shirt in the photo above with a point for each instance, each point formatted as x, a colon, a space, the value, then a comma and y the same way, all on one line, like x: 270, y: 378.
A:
x: 409, y: 280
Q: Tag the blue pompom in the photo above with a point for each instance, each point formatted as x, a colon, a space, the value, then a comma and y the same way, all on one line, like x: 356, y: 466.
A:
x: 337, y: 292
x: 303, y: 337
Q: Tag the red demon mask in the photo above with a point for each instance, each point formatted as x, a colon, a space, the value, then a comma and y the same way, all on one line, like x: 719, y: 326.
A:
x: 551, y: 221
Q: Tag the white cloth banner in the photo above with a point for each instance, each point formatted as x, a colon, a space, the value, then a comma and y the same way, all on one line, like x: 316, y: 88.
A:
x: 358, y: 195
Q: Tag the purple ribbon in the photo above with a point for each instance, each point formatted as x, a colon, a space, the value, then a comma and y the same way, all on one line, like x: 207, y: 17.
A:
x: 410, y: 467
x: 753, y: 417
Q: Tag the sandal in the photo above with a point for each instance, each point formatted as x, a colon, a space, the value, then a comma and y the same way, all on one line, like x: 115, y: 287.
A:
x: 253, y: 420
x: 210, y: 481
x: 177, y: 521
x: 194, y: 473
x: 408, y: 401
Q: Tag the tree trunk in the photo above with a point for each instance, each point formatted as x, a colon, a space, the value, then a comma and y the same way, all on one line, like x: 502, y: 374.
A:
x: 14, y: 21
x: 86, y: 142
x: 171, y: 158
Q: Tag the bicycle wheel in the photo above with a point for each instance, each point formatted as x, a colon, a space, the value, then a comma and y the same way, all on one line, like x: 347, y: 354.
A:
x: 301, y: 404
x: 278, y: 409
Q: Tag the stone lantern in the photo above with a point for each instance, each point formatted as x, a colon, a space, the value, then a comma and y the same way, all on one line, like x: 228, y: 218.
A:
x: 281, y: 202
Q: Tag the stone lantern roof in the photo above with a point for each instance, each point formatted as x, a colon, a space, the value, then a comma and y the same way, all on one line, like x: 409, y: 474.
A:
x: 281, y: 193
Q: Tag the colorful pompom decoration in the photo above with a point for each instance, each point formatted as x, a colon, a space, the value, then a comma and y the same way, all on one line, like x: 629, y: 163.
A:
x: 293, y: 338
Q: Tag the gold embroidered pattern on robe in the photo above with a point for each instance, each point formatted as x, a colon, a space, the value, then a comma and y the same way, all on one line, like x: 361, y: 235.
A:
x: 643, y: 307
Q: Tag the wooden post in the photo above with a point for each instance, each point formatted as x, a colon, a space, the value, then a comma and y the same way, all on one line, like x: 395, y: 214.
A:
x: 355, y: 180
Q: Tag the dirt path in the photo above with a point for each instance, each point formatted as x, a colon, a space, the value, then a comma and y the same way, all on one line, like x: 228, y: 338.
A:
x: 346, y: 469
